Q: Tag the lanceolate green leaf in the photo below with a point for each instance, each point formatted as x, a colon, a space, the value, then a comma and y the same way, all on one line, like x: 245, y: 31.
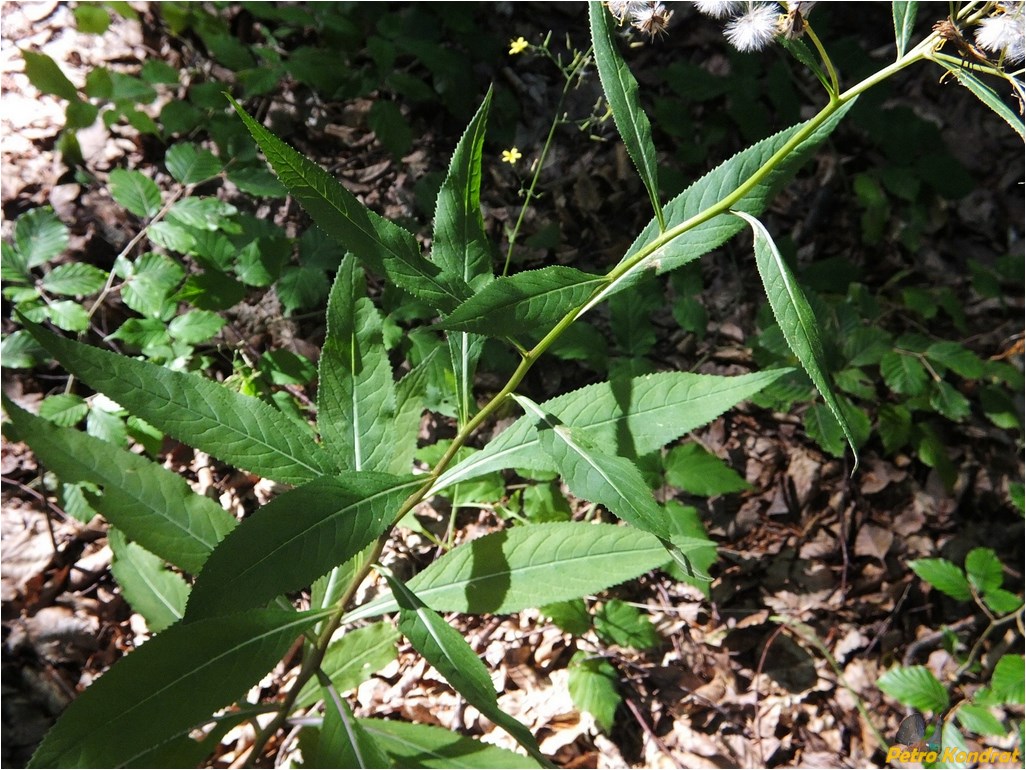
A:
x: 523, y: 302
x: 796, y: 320
x: 713, y: 188
x: 150, y: 504
x: 154, y: 592
x: 351, y: 660
x: 630, y: 417
x: 356, y: 393
x: 296, y: 538
x: 595, y: 475
x: 416, y: 745
x: 343, y: 742
x: 377, y: 242
x: 461, y: 247
x: 621, y: 90
x: 237, y: 429
x: 172, y: 682
x: 459, y: 243
x: 529, y: 566
x: 904, y: 20
x: 445, y: 648
x: 987, y: 95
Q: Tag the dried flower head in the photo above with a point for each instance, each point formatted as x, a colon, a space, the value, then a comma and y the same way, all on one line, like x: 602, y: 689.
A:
x: 793, y: 24
x: 652, y: 19
x: 1004, y: 33
x: 755, y: 28
x: 621, y: 9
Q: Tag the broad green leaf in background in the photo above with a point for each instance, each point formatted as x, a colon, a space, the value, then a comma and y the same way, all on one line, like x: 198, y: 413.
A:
x: 297, y: 537
x: 47, y: 77
x: 195, y: 326
x: 74, y: 279
x: 621, y: 91
x: 302, y: 287
x: 617, y: 622
x: 461, y: 247
x: 190, y: 164
x: 529, y: 566
x: 150, y: 282
x: 903, y: 373
x: 64, y: 409
x: 1008, y: 677
x: 987, y: 95
x: 172, y: 682
x: 797, y: 321
x: 690, y: 535
x: 427, y: 746
x: 712, y: 188
x: 980, y: 720
x: 356, y: 399
x: 342, y: 741
x: 592, y: 685
x: 904, y: 20
x: 351, y: 660
x: 944, y: 576
x: 68, y: 315
x: 951, y: 739
x: 592, y: 474
x: 377, y: 242
x: 39, y: 236
x: 155, y: 592
x: 523, y: 302
x: 946, y: 399
x: 984, y: 570
x: 915, y: 686
x: 691, y: 468
x: 631, y: 416
x: 571, y: 616
x: 150, y: 504
x: 202, y: 213
x: 957, y: 358
x: 237, y: 429
x: 135, y: 191
x: 445, y: 648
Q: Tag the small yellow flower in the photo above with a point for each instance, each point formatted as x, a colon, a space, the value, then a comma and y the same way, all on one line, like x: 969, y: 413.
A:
x: 512, y: 155
x: 516, y: 46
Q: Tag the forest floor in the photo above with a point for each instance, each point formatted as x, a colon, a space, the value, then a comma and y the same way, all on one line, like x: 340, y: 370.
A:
x: 813, y: 598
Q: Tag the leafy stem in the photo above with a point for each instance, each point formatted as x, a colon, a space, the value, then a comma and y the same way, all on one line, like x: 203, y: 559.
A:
x: 530, y: 357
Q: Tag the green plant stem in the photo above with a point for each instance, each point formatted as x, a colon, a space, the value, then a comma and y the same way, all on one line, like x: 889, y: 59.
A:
x: 529, y: 358
x: 835, y: 83
x: 579, y: 62
x: 994, y: 624
x: 810, y: 636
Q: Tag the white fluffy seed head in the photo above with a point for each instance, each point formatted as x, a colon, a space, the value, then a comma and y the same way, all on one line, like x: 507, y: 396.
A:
x: 754, y: 29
